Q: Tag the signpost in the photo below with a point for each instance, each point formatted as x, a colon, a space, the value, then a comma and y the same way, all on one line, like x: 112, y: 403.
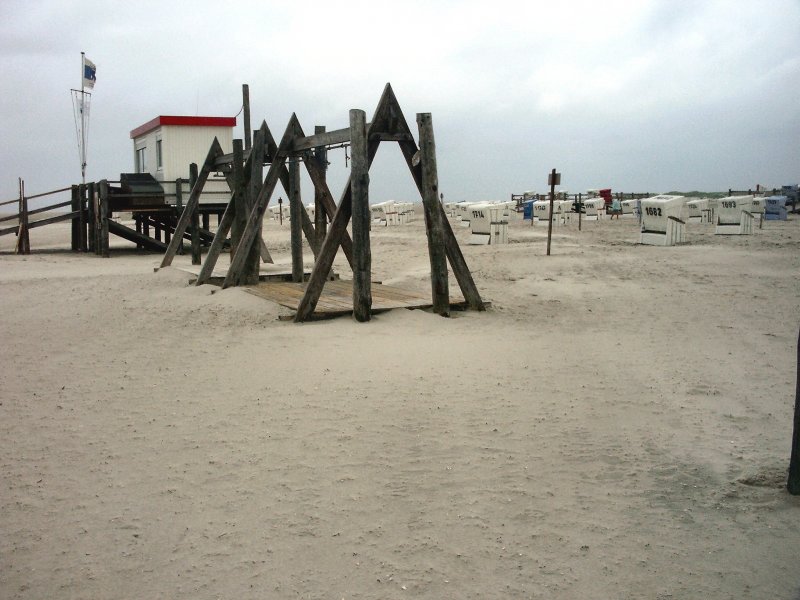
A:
x: 553, y: 180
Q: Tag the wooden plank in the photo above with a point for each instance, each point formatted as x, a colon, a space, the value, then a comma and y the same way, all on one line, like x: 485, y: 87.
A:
x: 359, y: 186
x: 320, y: 160
x: 194, y: 199
x: 104, y: 217
x: 326, y: 138
x: 433, y: 217
x: 133, y: 236
x: 194, y: 222
x: 54, y: 219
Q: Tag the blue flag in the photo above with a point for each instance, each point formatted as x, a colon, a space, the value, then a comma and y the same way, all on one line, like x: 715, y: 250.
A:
x: 89, y: 73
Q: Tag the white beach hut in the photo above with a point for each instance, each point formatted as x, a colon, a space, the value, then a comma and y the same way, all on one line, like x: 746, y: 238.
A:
x: 629, y: 207
x: 734, y: 216
x: 699, y: 211
x: 488, y: 224
x: 541, y: 211
x: 594, y: 208
x: 661, y: 221
x: 775, y: 208
x: 167, y: 145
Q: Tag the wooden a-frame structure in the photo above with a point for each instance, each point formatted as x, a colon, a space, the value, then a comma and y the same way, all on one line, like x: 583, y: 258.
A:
x: 251, y: 195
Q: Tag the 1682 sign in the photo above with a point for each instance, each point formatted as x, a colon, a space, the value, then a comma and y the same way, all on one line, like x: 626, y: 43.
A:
x: 653, y: 211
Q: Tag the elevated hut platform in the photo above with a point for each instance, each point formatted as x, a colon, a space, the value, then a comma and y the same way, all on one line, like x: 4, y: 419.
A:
x: 337, y: 297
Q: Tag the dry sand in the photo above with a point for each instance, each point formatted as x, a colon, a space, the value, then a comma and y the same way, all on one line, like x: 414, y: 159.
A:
x: 618, y: 425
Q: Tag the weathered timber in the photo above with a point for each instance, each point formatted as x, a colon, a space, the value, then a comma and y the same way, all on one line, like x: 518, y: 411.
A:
x: 338, y: 228
x: 23, y: 238
x: 440, y: 293
x: 254, y: 172
x: 246, y: 108
x: 454, y: 254
x: 133, y: 236
x: 238, y: 192
x: 75, y: 206
x: 329, y: 203
x: 793, y: 482
x: 194, y: 198
x: 194, y: 223
x: 359, y: 186
x: 320, y: 214
x: 217, y: 245
x: 91, y: 217
x: 104, y: 217
x: 82, y: 218
x: 179, y: 205
x: 296, y: 221
x: 257, y: 214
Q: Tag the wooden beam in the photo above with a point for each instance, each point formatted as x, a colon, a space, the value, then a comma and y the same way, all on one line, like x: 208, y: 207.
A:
x: 104, y: 216
x: 194, y: 199
x: 440, y: 293
x: 217, y: 245
x: 257, y: 214
x: 320, y: 159
x: 195, y: 220
x: 324, y: 138
x: 254, y: 172
x: 296, y: 221
x: 359, y: 192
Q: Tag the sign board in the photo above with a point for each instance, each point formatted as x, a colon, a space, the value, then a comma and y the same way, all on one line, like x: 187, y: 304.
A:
x: 550, y: 179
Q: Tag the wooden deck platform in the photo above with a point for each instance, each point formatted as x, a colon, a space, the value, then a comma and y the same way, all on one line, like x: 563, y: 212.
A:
x: 337, y: 297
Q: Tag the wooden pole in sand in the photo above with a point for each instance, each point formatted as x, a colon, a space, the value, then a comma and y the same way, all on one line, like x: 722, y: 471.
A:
x: 104, y: 215
x: 295, y: 220
x: 194, y: 221
x: 793, y: 484
x: 553, y: 180
x: 440, y: 290
x: 248, y: 138
x: 360, y: 220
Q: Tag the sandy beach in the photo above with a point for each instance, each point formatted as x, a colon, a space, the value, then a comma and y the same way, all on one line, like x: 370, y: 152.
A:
x: 617, y: 425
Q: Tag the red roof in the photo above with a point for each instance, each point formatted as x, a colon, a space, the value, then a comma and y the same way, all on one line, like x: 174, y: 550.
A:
x: 184, y: 121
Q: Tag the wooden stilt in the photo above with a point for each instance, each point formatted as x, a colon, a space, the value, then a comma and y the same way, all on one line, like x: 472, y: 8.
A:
x: 91, y: 218
x: 75, y: 206
x: 295, y: 220
x: 179, y: 208
x: 238, y: 192
x: 433, y: 216
x: 23, y: 237
x: 82, y: 221
x: 194, y: 223
x: 359, y: 185
x: 104, y: 216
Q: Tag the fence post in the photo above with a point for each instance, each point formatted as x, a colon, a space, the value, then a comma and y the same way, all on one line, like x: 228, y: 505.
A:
x: 793, y: 483
x: 91, y: 218
x: 23, y: 239
x: 104, y: 218
x: 75, y: 206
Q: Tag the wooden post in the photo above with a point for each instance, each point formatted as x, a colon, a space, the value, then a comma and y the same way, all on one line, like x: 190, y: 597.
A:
x: 75, y: 206
x: 793, y: 483
x: 91, y: 218
x: 23, y: 238
x: 320, y: 216
x: 433, y: 216
x: 194, y: 225
x: 178, y: 209
x: 254, y: 175
x: 359, y: 185
x: 580, y: 209
x: 82, y: 218
x: 104, y: 215
x: 246, y: 108
x: 239, y: 203
x: 295, y: 220
x: 552, y: 198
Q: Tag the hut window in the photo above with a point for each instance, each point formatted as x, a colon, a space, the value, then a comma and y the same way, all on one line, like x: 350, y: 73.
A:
x: 159, y: 163
x: 140, y: 160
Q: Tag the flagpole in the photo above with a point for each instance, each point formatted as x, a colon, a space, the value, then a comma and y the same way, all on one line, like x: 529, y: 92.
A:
x: 83, y: 118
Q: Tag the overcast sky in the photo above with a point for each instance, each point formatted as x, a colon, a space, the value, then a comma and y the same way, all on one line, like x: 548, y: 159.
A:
x: 650, y: 95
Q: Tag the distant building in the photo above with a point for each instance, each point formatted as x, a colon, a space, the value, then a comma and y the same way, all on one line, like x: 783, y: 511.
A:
x: 167, y: 145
